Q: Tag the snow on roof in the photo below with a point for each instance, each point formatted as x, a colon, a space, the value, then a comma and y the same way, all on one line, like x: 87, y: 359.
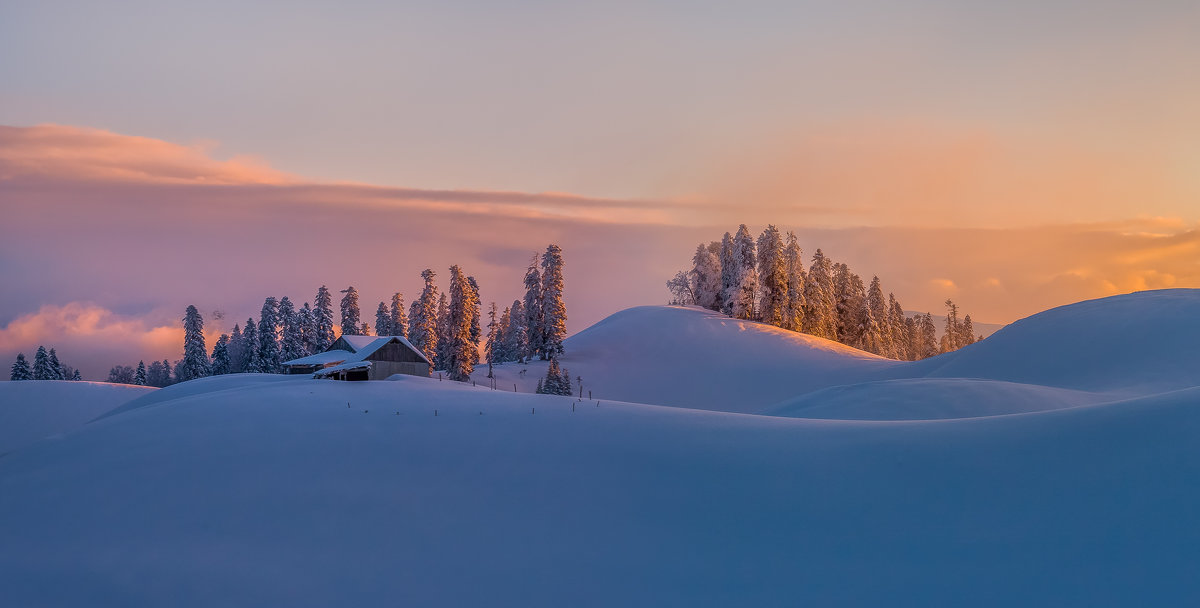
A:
x: 363, y: 347
x: 347, y: 366
x: 325, y: 358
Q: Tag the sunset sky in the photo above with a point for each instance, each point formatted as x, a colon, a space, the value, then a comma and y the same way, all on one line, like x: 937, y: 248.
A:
x: 1011, y: 156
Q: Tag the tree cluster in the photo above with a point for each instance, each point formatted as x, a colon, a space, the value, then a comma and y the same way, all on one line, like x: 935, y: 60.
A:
x: 46, y: 366
x: 765, y: 280
x: 556, y: 382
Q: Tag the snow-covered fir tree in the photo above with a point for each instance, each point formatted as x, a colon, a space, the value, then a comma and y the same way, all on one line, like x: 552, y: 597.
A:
x: 929, y: 339
x: 291, y: 331
x: 268, y: 338
x: 41, y: 365
x: 383, y: 320
x: 422, y: 331
x: 323, y: 320
x: 237, y: 351
x: 900, y: 328
x: 308, y: 329
x: 706, y: 276
x: 397, y: 320
x: 444, y: 331
x: 139, y: 376
x: 494, y: 347
x: 351, y: 317
x: 966, y: 334
x: 879, y: 334
x: 554, y: 310
x: 793, y: 261
x: 772, y: 277
x: 75, y: 376
x: 254, y: 363
x: 21, y: 369
x: 820, y: 314
x: 461, y: 351
x: 953, y: 333
x: 745, y: 276
x: 221, y: 362
x: 195, y: 354
x: 56, y: 368
x: 534, y: 340
x: 516, y: 337
x: 556, y: 382
x: 729, y: 274
x: 476, y: 318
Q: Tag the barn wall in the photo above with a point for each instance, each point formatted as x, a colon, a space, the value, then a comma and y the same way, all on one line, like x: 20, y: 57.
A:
x: 396, y: 353
x: 380, y: 370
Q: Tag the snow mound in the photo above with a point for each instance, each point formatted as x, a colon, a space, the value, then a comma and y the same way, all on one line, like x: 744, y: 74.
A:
x: 1139, y: 343
x: 317, y: 493
x: 931, y: 399
x: 31, y: 410
x: 691, y: 357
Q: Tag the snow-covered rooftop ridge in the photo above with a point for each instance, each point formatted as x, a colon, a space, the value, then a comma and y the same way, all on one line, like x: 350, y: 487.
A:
x: 364, y: 346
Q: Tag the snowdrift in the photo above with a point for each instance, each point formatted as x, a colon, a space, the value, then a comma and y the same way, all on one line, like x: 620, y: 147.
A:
x: 31, y: 410
x: 316, y: 493
x: 695, y: 358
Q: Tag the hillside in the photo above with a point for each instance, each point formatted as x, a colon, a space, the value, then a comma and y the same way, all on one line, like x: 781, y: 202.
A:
x: 691, y: 357
x: 988, y: 490
x: 35, y: 409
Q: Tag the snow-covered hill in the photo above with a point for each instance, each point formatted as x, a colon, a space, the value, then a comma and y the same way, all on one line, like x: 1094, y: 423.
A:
x: 691, y: 357
x: 254, y: 490
x: 35, y: 409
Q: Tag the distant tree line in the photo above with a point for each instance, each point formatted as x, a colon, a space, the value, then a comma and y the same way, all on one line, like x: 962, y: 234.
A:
x: 46, y: 366
x: 765, y: 280
x: 444, y: 325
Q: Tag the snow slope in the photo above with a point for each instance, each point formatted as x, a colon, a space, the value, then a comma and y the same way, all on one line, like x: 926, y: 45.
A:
x: 691, y: 357
x: 279, y: 494
x: 31, y: 410
x: 1044, y: 466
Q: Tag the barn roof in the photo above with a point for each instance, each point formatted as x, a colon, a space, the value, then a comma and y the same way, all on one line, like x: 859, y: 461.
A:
x: 363, y: 347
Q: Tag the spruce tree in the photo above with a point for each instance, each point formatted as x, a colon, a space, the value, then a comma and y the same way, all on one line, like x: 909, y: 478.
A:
x: 746, y: 281
x: 323, y: 320
x: 195, y: 354
x: 554, y: 310
x: 493, y: 348
x: 75, y: 376
x: 422, y: 332
x: 772, y: 277
x: 351, y: 318
x: 901, y: 329
x: 237, y: 351
x: 556, y: 382
x: 139, y: 377
x: 953, y: 332
x: 476, y: 315
x: 929, y: 336
x: 880, y: 333
x: 291, y: 332
x: 268, y: 339
x: 41, y: 365
x: 21, y: 369
x: 706, y: 275
x: 383, y: 320
x: 221, y: 362
x: 820, y: 314
x: 966, y: 335
x: 729, y: 274
x: 461, y: 351
x: 398, y: 321
x: 793, y: 311
x: 56, y: 368
x: 308, y: 329
x: 167, y: 378
x: 534, y: 339
x: 516, y: 340
x: 254, y: 363
x: 443, y: 330
x: 503, y: 327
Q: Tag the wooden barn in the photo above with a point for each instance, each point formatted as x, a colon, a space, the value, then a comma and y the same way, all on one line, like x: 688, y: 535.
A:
x: 363, y: 358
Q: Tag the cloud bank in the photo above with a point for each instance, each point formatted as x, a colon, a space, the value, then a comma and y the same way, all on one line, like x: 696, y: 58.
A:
x: 101, y: 253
